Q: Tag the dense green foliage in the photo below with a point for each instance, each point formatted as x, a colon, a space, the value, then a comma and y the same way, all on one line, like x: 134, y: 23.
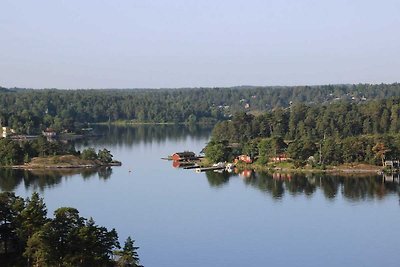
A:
x: 315, y: 121
x: 89, y: 154
x: 19, y: 152
x: 29, y: 238
x: 218, y: 151
x: 331, y: 134
x: 128, y: 255
x: 15, y: 153
x: 29, y: 111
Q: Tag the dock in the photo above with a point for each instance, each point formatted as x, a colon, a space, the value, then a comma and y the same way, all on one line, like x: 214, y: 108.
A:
x: 191, y: 167
x: 210, y: 168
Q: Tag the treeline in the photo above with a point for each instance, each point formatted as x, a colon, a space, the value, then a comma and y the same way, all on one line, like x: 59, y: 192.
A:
x: 29, y: 111
x: 29, y: 238
x: 19, y: 152
x: 331, y: 134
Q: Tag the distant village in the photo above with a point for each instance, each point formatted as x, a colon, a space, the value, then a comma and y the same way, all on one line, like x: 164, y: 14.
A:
x: 8, y: 132
x: 49, y: 133
x: 247, y: 104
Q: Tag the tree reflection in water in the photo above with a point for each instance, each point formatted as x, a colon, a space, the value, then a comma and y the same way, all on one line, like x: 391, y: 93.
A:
x: 135, y: 134
x: 354, y: 188
x: 38, y: 180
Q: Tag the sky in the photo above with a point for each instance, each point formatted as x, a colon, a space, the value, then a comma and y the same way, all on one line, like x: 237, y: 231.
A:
x: 192, y: 43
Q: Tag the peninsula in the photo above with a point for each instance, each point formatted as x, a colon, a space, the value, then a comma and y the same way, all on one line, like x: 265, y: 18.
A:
x: 337, y: 137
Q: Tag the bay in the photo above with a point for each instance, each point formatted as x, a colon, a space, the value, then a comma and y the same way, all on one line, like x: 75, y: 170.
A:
x: 182, y: 218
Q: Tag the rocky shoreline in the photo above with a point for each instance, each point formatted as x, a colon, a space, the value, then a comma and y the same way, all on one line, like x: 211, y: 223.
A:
x: 64, y: 162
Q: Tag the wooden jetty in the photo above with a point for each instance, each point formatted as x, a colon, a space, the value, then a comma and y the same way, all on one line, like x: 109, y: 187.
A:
x: 203, y: 169
x: 191, y: 167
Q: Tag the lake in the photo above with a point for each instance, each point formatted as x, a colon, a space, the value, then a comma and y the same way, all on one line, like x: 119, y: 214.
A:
x: 182, y: 218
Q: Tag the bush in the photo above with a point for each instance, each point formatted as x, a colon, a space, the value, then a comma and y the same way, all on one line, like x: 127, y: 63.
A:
x: 89, y: 154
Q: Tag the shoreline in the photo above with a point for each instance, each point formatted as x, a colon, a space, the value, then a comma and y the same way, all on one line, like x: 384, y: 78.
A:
x: 60, y: 167
x: 343, y: 169
x: 62, y: 162
x: 340, y: 169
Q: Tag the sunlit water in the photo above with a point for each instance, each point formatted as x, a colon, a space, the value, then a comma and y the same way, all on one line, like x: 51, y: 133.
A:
x: 182, y: 218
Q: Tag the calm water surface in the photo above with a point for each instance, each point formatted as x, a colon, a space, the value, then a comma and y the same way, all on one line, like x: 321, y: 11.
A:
x: 182, y: 218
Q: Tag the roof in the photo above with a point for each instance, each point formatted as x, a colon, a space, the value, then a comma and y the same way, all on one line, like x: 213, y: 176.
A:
x: 185, y: 154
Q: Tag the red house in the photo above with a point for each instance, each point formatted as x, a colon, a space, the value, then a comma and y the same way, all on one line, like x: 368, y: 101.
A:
x: 244, y: 158
x: 186, y: 155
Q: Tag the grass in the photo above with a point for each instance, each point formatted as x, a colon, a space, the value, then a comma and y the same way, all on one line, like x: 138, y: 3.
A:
x: 60, y: 161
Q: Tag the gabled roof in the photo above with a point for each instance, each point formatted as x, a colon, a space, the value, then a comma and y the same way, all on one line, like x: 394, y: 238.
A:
x: 185, y: 154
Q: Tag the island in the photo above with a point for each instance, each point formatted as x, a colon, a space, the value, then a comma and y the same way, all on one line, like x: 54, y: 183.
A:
x: 41, y: 153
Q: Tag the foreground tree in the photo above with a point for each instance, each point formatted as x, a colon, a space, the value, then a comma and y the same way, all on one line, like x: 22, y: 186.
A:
x: 10, y: 209
x: 32, y: 217
x: 128, y: 255
x: 70, y: 240
x: 29, y: 238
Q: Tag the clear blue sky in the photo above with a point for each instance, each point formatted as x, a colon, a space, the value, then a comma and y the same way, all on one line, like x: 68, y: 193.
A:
x: 179, y: 43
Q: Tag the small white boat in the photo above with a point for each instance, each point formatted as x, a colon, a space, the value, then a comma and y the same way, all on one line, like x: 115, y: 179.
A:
x: 229, y: 167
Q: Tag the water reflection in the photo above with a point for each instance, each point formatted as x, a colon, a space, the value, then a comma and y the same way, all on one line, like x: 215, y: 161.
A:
x: 135, y: 134
x: 106, y: 135
x: 354, y: 188
x: 38, y: 180
x: 216, y: 179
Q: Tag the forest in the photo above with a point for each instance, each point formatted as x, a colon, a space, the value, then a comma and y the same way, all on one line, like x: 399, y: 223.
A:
x: 338, y: 133
x: 29, y: 238
x: 29, y: 111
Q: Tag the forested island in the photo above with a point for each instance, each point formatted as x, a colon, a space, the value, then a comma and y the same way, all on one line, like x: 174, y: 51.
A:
x: 42, y: 153
x: 29, y: 238
x: 29, y: 111
x: 315, y: 135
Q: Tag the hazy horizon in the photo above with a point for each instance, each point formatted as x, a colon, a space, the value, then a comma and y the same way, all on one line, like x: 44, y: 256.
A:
x: 197, y: 87
x: 190, y: 44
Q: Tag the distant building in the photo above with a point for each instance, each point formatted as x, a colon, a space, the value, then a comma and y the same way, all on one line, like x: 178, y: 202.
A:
x: 280, y: 158
x: 49, y: 133
x: 6, y: 131
x: 392, y: 164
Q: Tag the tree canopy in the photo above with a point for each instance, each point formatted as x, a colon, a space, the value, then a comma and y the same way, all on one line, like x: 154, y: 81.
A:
x: 29, y: 237
x: 332, y: 134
